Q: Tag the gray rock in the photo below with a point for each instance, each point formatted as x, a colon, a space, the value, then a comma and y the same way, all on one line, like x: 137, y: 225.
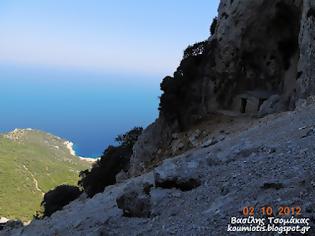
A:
x: 306, y: 69
x: 158, y: 198
x: 145, y: 151
x: 10, y: 224
x: 171, y: 175
x: 121, y: 176
x: 135, y: 202
x: 3, y: 220
x: 209, y: 142
x: 194, y: 137
x: 270, y: 106
x: 177, y: 146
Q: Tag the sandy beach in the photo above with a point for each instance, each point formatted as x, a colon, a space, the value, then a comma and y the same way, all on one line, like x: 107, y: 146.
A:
x: 69, y: 146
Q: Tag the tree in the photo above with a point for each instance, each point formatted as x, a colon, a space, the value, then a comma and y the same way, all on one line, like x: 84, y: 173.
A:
x: 113, y: 160
x: 129, y: 138
x: 104, y: 171
x: 179, y: 101
x: 56, y: 199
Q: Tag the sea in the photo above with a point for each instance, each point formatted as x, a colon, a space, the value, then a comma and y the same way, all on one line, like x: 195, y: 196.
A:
x: 87, y: 108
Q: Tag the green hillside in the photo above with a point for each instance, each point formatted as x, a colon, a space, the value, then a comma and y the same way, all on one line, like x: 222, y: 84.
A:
x: 31, y: 163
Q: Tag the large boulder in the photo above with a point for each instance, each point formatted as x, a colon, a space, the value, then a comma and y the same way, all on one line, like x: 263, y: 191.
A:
x: 272, y: 105
x: 184, y: 176
x: 135, y: 201
x: 146, y: 149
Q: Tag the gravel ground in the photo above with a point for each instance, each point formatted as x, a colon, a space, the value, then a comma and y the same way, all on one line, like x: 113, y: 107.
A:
x: 270, y: 164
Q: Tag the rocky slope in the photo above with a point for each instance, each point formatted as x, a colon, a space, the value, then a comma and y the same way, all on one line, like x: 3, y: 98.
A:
x: 31, y: 163
x: 196, y: 193
x: 259, y: 60
x: 210, y: 154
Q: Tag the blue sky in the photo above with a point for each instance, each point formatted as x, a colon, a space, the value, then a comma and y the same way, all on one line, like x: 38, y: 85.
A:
x: 89, y: 70
x: 138, y: 37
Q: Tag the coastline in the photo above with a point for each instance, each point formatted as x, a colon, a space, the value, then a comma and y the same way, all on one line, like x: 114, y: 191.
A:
x: 17, y: 132
x: 69, y: 145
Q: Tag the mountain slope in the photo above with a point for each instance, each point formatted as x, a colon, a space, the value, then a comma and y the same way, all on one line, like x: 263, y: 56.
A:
x: 269, y: 164
x: 31, y: 163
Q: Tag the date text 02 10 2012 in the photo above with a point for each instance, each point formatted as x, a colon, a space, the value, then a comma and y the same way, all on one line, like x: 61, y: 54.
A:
x: 270, y: 211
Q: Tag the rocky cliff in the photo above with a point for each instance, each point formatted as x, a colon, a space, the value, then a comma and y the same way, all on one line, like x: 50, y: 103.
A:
x: 213, y: 151
x: 306, y: 70
x: 259, y: 60
x: 196, y: 193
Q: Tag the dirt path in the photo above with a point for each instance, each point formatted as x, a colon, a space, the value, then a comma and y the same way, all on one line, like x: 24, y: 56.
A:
x: 34, y: 180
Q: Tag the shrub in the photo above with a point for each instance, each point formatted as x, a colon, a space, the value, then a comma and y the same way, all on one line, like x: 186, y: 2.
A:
x: 195, y: 50
x: 179, y: 96
x: 104, y: 171
x: 56, y: 199
x: 213, y: 25
x: 129, y: 138
x: 113, y: 160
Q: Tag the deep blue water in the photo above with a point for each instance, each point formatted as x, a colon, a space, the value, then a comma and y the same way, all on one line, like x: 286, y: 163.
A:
x: 87, y: 108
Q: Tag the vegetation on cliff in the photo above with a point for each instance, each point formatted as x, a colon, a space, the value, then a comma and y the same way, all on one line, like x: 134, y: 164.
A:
x: 114, y: 160
x: 56, y: 199
x: 180, y: 96
x: 31, y: 164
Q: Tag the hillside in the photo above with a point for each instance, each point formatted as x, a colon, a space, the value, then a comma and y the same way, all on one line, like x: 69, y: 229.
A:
x: 31, y: 163
x: 269, y: 164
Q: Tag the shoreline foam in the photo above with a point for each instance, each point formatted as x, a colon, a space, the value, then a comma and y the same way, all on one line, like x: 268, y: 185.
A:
x: 70, y: 145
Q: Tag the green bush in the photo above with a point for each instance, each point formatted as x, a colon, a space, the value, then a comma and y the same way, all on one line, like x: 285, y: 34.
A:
x: 213, y: 25
x: 56, y: 199
x: 129, y: 138
x: 113, y: 160
x: 179, y: 98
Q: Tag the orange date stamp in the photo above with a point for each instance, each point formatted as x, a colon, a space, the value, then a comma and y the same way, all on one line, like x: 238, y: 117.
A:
x: 272, y: 211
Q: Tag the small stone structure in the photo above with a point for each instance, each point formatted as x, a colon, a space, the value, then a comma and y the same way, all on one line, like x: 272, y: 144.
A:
x: 250, y: 101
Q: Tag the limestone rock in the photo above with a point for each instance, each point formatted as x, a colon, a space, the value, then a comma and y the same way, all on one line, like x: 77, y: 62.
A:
x: 194, y: 138
x: 270, y: 106
x: 135, y: 202
x: 177, y: 146
x: 3, y: 220
x: 147, y: 146
x: 306, y: 69
x: 121, y: 176
x: 184, y: 177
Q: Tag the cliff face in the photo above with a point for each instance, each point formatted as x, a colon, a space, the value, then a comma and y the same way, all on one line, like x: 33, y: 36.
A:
x: 306, y: 69
x: 258, y: 48
x: 258, y: 61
